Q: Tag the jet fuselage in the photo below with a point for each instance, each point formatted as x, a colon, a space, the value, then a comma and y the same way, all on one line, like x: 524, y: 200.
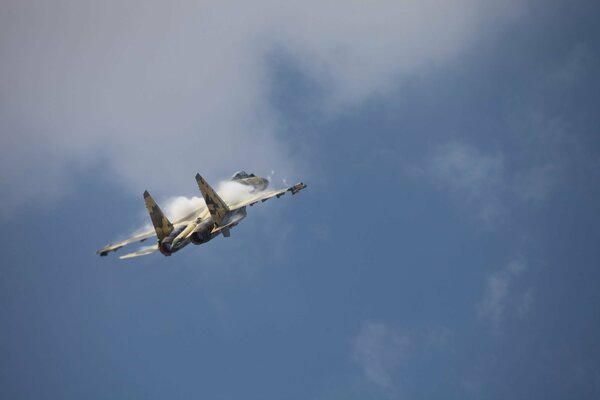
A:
x: 202, y: 231
x: 203, y: 224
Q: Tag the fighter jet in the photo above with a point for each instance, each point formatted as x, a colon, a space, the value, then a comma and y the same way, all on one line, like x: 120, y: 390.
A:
x: 216, y: 218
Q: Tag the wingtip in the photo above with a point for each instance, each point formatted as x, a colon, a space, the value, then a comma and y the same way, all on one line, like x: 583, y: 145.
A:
x: 198, y: 177
x: 102, y: 252
x: 146, y: 194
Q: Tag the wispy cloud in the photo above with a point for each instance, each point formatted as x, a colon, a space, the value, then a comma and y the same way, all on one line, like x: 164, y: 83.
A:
x: 487, y: 184
x: 549, y: 127
x: 379, y: 350
x: 466, y: 170
x: 474, y: 177
x: 500, y: 296
x: 388, y: 354
x: 150, y: 92
x: 544, y: 146
x: 535, y: 184
x: 576, y: 66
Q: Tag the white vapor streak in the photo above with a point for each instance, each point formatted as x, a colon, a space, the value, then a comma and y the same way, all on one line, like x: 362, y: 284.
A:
x: 181, y: 206
x: 178, y: 207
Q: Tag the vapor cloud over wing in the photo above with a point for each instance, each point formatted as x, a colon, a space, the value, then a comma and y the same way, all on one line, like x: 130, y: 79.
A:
x: 180, y: 207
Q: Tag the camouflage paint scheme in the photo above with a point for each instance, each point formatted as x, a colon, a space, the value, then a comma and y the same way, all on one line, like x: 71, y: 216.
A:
x: 202, y: 225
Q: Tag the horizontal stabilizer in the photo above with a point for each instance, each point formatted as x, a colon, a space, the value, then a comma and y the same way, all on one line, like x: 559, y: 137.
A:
x: 141, y: 252
x: 223, y: 228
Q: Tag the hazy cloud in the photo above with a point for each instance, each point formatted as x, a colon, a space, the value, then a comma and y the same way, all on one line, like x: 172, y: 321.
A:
x: 535, y: 184
x: 389, y: 356
x: 466, y: 170
x: 579, y: 62
x: 149, y: 92
x: 500, y: 295
x: 472, y: 176
x: 485, y: 183
x: 380, y: 350
x: 550, y: 130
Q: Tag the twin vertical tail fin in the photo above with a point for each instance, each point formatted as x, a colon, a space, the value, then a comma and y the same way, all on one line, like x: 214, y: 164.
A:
x: 216, y: 206
x: 162, y: 225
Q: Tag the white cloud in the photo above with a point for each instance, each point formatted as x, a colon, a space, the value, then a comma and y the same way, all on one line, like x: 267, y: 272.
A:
x: 552, y: 135
x: 149, y: 92
x: 380, y: 350
x: 474, y: 177
x: 388, y: 355
x: 500, y: 296
x: 467, y: 170
x: 535, y: 184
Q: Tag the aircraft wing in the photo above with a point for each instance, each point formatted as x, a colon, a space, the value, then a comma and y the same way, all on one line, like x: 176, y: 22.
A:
x: 140, y: 237
x: 201, y: 213
x: 137, y: 238
x: 266, y: 195
x: 141, y: 252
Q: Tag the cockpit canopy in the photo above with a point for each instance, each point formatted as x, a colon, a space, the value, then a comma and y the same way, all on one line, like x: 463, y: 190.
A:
x: 241, y: 175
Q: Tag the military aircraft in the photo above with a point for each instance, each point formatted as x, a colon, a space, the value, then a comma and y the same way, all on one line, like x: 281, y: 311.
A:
x: 202, y: 225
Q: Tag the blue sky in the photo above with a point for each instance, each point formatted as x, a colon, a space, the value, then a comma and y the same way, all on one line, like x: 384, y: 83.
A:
x: 446, y: 245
